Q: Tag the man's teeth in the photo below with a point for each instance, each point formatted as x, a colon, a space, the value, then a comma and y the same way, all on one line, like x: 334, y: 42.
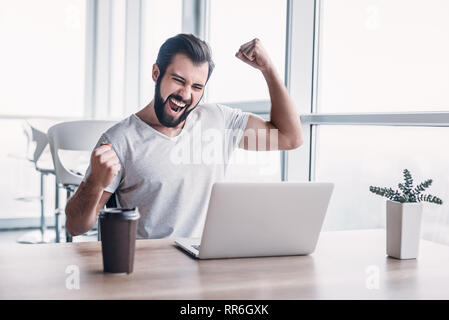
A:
x: 179, y: 104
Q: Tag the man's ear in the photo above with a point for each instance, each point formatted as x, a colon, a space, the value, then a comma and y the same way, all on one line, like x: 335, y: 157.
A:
x: 156, y: 72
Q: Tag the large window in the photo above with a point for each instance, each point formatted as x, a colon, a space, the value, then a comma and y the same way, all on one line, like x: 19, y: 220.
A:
x: 383, y: 56
x: 42, y: 57
x: 233, y: 23
x: 370, y: 79
x: 42, y: 63
x: 356, y: 157
x: 378, y: 104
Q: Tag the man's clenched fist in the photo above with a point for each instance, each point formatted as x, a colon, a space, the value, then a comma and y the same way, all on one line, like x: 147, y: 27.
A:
x: 104, y: 165
x: 254, y: 54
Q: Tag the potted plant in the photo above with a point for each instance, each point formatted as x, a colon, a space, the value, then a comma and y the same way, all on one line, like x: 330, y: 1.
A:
x: 404, y: 211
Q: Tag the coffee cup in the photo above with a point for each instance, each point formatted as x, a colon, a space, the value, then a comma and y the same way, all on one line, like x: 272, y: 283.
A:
x: 118, y: 227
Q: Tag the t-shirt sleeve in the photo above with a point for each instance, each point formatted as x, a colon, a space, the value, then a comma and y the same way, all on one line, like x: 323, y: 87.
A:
x: 115, y: 183
x: 235, y: 121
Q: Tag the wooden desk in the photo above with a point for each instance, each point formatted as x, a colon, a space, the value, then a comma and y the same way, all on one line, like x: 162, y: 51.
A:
x: 339, y: 269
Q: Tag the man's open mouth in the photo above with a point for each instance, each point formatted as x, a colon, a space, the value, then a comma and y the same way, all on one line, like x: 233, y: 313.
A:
x: 176, y: 105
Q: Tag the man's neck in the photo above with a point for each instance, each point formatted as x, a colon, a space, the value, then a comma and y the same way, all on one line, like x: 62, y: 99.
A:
x: 148, y: 115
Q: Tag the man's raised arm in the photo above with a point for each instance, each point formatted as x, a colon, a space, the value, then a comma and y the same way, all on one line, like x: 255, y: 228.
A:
x: 283, y: 116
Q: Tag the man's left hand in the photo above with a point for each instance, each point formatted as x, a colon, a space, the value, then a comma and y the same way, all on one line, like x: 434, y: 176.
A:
x: 254, y: 54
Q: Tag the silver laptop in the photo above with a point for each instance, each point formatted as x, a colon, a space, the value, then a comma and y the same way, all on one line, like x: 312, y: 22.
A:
x: 261, y: 219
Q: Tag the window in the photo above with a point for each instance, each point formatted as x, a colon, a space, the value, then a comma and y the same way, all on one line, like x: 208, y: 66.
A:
x: 233, y: 23
x: 385, y: 63
x: 383, y: 56
x: 42, y: 63
x: 42, y: 57
x: 260, y: 166
x: 356, y: 157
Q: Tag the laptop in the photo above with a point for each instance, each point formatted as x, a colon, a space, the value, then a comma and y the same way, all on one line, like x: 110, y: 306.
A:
x: 261, y: 219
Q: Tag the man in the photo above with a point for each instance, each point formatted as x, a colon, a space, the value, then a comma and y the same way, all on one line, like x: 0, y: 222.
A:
x: 136, y: 158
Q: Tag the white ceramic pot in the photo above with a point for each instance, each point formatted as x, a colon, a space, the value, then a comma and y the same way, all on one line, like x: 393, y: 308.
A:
x: 403, y: 229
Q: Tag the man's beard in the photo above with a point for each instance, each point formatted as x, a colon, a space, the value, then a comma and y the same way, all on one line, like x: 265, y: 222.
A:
x: 159, y: 108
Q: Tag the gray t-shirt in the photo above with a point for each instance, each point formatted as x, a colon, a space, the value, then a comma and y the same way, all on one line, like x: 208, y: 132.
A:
x: 170, y: 178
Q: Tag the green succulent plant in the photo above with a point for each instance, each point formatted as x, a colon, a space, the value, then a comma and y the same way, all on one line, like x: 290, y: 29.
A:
x: 406, y: 192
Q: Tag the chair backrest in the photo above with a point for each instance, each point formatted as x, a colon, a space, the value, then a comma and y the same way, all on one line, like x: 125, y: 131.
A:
x: 37, y: 141
x: 41, y: 142
x: 77, y: 136
x: 36, y: 133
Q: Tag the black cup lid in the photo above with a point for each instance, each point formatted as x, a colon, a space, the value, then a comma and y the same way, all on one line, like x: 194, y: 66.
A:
x: 120, y: 213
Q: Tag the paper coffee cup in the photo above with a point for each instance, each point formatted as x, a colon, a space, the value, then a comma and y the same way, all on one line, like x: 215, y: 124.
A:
x: 118, y: 227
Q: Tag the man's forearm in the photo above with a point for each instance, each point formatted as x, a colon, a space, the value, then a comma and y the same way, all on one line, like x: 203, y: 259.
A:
x: 81, y: 209
x: 283, y: 113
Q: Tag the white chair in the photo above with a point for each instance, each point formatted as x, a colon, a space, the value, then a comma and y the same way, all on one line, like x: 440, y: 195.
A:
x: 75, y: 136
x: 37, y: 143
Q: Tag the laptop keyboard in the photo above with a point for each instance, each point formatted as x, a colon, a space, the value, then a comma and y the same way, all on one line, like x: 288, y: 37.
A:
x: 197, y: 247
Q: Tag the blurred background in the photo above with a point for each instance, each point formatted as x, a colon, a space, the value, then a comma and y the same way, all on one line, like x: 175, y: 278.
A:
x: 370, y: 81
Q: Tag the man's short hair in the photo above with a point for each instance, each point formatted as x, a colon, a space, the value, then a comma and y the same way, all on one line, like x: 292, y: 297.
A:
x: 196, y: 49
